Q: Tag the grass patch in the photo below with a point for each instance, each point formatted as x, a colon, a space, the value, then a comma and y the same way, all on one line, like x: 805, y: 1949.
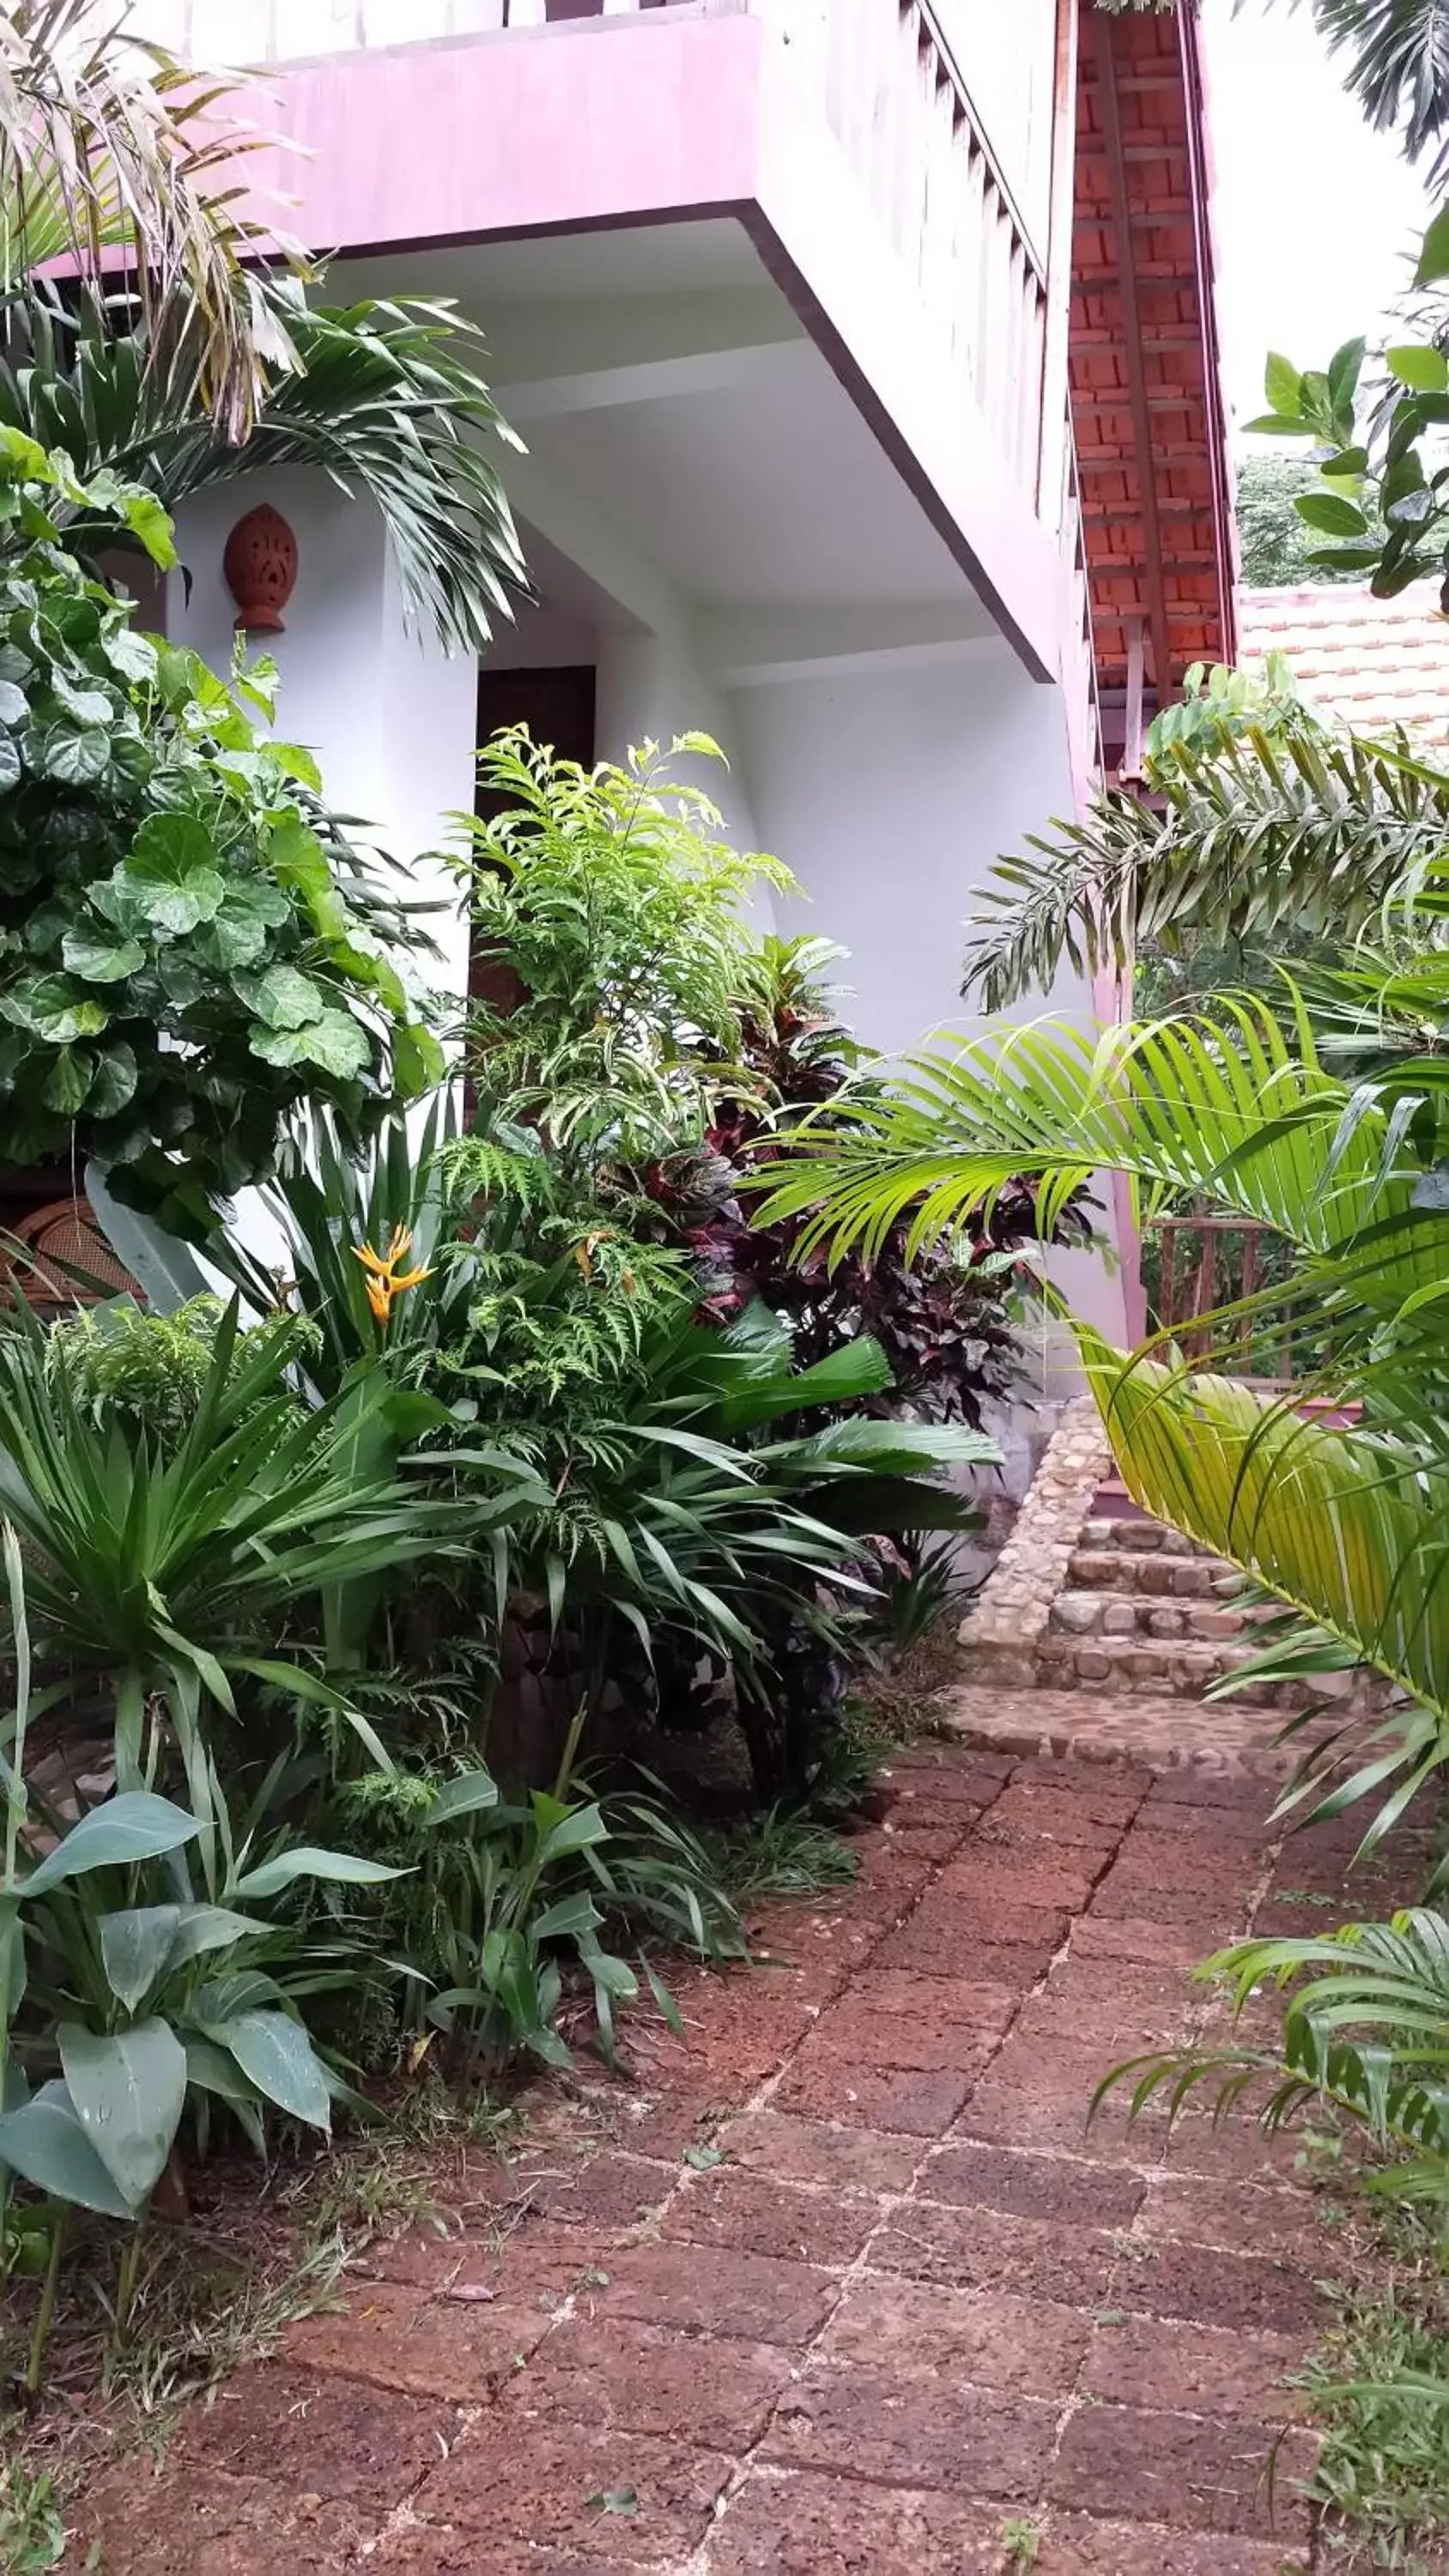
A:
x: 1378, y: 2387
x: 785, y: 1852
x: 32, y: 2522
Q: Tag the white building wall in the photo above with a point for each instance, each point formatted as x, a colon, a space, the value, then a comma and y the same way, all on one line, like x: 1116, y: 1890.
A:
x: 890, y: 792
x: 388, y: 716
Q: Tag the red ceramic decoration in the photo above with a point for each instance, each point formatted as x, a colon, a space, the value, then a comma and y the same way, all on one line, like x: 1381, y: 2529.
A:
x: 260, y: 564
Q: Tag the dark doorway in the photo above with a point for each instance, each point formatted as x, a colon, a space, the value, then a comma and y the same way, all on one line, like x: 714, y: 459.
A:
x: 557, y: 705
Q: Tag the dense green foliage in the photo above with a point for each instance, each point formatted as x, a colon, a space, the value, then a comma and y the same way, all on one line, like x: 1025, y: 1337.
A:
x: 187, y: 949
x: 1276, y: 547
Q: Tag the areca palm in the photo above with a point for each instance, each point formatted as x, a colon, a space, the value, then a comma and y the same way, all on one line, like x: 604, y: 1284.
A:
x: 1347, y: 1522
x: 191, y: 351
x: 384, y: 396
x: 109, y: 146
x: 1248, y: 836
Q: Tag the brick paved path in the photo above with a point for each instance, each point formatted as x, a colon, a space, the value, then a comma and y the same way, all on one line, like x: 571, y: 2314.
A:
x: 846, y: 2286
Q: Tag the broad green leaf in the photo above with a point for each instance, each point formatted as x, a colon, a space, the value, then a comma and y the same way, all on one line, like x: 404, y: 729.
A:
x: 85, y: 707
x: 418, y: 1061
x: 171, y: 868
x: 55, y: 1010
x: 134, y: 1826
x: 295, y: 761
x: 1434, y: 251
x: 203, y: 1928
x: 573, y: 1833
x: 1283, y: 386
x: 342, y: 1869
x: 114, y: 1085
x: 98, y: 957
x: 1331, y: 515
x: 1344, y: 370
x: 1269, y: 425
x: 238, y: 935
x: 135, y: 1947
x: 13, y: 704
x: 284, y: 997
x: 133, y: 655
x: 336, y: 1042
x: 75, y: 759
x: 129, y: 2089
x: 1424, y: 369
x: 68, y: 1082
x: 237, y: 1990
x: 9, y: 764
x: 214, y: 2071
x: 44, y: 2141
x: 571, y: 1919
x: 150, y: 526
x: 297, y: 859
x: 464, y: 1796
x: 278, y: 2056
x: 614, y: 1974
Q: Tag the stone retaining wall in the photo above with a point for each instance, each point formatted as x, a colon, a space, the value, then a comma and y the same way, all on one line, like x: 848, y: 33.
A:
x: 1011, y: 1612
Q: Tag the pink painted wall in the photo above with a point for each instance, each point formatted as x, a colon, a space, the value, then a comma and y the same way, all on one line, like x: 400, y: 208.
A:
x: 518, y: 133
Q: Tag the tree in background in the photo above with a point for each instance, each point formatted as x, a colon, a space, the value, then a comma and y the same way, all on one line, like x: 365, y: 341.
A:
x: 1276, y: 545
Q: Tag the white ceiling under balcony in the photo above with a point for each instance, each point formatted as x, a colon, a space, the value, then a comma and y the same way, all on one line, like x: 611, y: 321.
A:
x: 671, y: 401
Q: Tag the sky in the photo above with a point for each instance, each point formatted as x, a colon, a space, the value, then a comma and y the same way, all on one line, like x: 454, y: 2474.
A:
x: 1313, y: 211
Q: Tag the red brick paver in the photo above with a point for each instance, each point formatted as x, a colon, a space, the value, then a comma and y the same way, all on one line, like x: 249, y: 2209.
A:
x: 848, y: 2284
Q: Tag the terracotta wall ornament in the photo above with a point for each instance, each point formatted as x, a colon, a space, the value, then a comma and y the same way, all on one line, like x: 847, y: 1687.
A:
x: 260, y: 564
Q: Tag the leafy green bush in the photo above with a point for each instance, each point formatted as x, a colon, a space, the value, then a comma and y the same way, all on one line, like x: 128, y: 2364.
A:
x: 188, y: 948
x: 508, y: 1906
x: 146, y: 1373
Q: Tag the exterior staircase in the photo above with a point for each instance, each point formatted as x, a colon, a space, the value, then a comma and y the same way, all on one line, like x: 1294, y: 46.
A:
x: 1091, y: 1595
x: 1144, y: 1610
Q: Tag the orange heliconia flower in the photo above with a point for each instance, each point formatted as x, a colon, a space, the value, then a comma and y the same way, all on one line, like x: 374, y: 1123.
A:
x: 384, y: 1279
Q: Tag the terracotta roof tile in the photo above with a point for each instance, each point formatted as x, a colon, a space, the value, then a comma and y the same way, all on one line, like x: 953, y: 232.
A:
x: 1370, y: 663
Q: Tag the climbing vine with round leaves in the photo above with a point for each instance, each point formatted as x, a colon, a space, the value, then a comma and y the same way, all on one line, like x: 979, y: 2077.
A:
x: 189, y: 946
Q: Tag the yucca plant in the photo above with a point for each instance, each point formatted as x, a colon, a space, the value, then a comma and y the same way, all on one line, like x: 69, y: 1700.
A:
x: 158, y: 1577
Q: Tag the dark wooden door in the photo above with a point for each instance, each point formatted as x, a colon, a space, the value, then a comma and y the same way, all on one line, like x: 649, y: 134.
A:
x: 558, y: 708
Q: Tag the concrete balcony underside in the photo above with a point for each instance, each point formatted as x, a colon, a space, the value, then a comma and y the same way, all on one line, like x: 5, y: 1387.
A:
x: 878, y: 245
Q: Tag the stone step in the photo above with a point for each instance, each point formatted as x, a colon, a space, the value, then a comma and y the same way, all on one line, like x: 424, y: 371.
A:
x: 1183, y: 1665
x: 1113, y: 1614
x: 1169, y: 1572
x: 1134, y: 1536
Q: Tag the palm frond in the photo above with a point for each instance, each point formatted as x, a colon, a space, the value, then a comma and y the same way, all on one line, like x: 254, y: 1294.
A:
x: 1289, y: 831
x: 1230, y: 1108
x: 1397, y: 62
x: 384, y: 397
x: 1350, y: 1527
x: 107, y: 141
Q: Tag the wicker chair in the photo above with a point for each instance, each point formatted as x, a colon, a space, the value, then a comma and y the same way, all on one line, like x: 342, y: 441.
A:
x: 63, y: 1231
